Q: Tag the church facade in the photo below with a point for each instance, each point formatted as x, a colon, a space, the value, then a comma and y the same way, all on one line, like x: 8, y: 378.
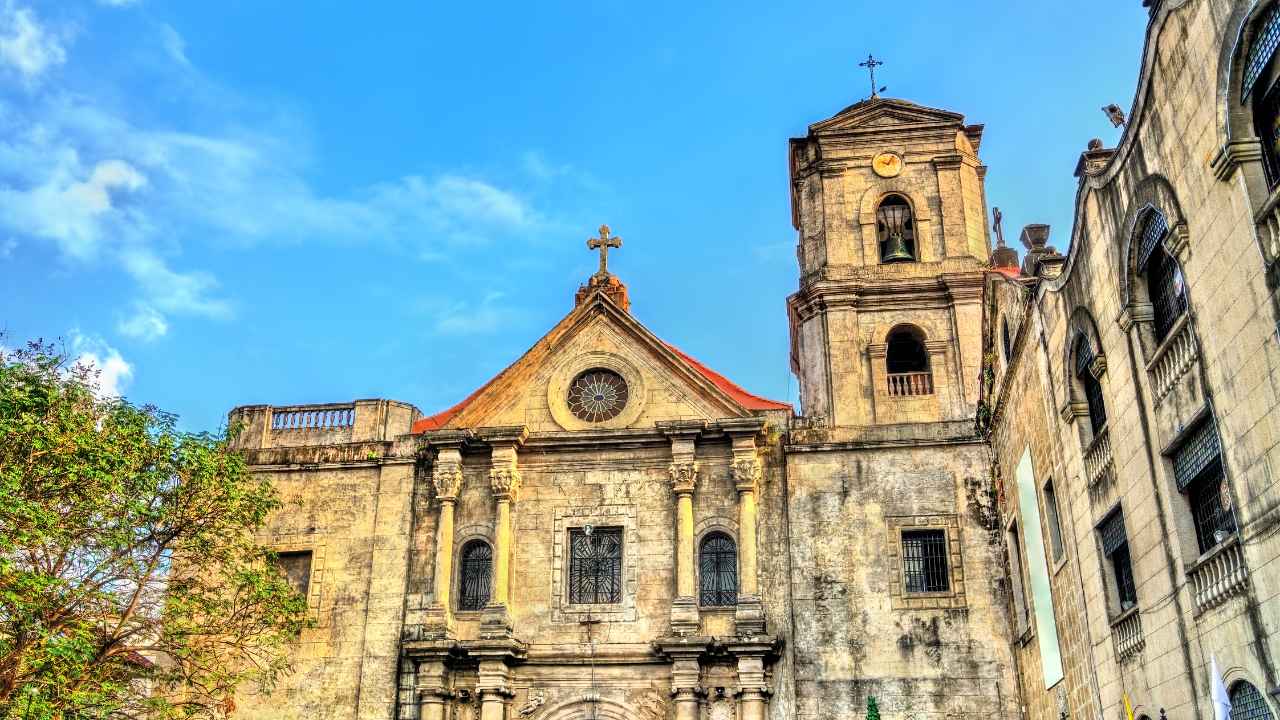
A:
x: 1010, y: 490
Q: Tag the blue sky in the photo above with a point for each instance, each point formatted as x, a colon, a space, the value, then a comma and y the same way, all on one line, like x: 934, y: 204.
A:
x: 229, y: 203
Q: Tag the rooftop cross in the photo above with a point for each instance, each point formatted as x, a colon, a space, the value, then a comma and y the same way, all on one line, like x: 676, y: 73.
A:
x: 603, y: 243
x: 871, y: 64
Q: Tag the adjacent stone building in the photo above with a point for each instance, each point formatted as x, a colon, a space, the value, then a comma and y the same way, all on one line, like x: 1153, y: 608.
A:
x: 1010, y: 490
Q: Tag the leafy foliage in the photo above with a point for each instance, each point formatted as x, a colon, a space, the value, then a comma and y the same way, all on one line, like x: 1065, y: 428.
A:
x: 130, y: 581
x: 873, y: 710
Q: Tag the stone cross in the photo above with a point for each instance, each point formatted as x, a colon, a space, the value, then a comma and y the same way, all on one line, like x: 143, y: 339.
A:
x: 603, y: 243
x: 871, y: 64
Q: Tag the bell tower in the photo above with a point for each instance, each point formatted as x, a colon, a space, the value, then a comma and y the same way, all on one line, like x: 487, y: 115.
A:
x: 888, y: 202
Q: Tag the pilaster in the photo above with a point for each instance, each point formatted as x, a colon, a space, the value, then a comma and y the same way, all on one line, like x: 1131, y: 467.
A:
x: 446, y: 480
x: 504, y: 483
x: 683, y: 472
x: 747, y: 473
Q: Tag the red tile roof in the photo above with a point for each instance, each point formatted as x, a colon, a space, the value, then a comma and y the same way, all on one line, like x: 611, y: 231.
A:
x: 728, y: 387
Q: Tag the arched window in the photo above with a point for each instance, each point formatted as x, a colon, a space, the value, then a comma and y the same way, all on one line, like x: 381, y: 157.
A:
x: 477, y: 570
x: 907, y: 363
x: 1165, y: 286
x: 1247, y: 702
x: 896, y: 230
x: 1259, y: 87
x: 718, y: 570
x: 1092, y: 388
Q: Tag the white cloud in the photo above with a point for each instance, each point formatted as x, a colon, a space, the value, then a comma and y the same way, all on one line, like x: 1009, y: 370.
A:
x: 117, y: 3
x: 471, y: 318
x: 144, y: 323
x: 25, y: 45
x: 113, y: 372
x: 174, y: 45
x: 171, y: 291
x: 7, y: 247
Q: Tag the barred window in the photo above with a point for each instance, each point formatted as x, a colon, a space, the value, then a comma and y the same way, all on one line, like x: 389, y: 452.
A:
x: 1092, y: 388
x: 718, y: 570
x: 1115, y: 547
x: 595, y: 566
x: 1168, y: 292
x: 477, y: 572
x: 1247, y: 702
x: 1197, y: 468
x: 924, y: 561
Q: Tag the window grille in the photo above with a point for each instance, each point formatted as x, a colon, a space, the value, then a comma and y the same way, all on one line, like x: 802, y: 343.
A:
x: 1115, y: 545
x: 1092, y: 387
x: 1167, y: 290
x: 924, y: 561
x: 718, y: 570
x: 1207, y: 509
x: 1154, y: 229
x: 595, y: 566
x: 477, y: 572
x: 1196, y: 453
x: 1247, y: 702
x: 1261, y: 51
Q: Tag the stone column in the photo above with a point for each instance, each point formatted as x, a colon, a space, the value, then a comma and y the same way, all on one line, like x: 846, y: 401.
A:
x: 684, y: 477
x: 433, y: 691
x: 749, y: 613
x: 685, y: 689
x: 753, y: 692
x: 504, y: 482
x: 446, y: 477
x: 492, y: 689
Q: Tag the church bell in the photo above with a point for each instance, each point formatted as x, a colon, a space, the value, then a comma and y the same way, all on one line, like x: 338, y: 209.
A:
x: 894, y: 220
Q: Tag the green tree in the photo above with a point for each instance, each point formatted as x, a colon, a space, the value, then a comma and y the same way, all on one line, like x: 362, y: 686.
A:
x: 130, y: 581
x: 873, y: 710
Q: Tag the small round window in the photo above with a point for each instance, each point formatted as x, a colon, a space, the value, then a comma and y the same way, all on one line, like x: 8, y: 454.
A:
x: 597, y: 395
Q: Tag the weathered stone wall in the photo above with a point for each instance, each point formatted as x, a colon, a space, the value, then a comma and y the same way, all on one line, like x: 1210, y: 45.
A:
x: 856, y: 632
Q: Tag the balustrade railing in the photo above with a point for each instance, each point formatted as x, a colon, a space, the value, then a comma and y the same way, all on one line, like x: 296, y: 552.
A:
x: 1126, y: 631
x: 1099, y: 464
x: 1173, y: 358
x: 313, y: 417
x: 1219, y: 576
x: 910, y: 384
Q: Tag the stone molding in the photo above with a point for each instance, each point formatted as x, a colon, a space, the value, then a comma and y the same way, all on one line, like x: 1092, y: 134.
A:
x: 955, y: 596
x: 747, y: 472
x: 504, y: 482
x: 446, y: 479
x: 684, y: 476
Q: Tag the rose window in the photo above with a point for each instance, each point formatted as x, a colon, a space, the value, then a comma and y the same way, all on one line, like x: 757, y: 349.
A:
x: 597, y: 395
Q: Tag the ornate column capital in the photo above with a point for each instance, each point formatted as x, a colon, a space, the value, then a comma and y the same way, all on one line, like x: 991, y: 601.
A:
x: 1134, y: 312
x: 505, y: 483
x: 446, y: 479
x: 746, y: 473
x: 684, y: 476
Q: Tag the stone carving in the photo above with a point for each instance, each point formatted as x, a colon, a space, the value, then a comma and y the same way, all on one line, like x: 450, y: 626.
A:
x: 684, y: 476
x: 447, y: 479
x: 505, y: 482
x: 746, y: 473
x: 651, y: 705
x: 720, y: 709
x: 537, y: 698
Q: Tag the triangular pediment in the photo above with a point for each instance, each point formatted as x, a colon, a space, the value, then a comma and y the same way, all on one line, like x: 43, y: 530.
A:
x: 662, y: 383
x: 882, y: 113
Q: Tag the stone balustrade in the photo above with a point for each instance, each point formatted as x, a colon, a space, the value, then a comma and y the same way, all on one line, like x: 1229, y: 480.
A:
x: 1099, y: 464
x: 1126, y: 632
x: 1219, y: 575
x: 910, y: 384
x: 1175, y: 356
x: 313, y: 417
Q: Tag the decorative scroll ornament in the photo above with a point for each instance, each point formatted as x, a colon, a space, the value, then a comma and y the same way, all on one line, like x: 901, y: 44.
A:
x: 537, y: 698
x: 504, y: 482
x: 746, y: 474
x: 684, y: 476
x: 447, y: 479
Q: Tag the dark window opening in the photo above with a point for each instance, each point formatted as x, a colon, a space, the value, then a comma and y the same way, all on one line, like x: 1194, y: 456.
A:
x: 1055, y: 524
x: 1004, y: 338
x: 1092, y: 387
x: 1197, y: 468
x: 1020, y: 600
x: 718, y: 570
x: 1168, y: 292
x: 924, y: 561
x: 477, y: 573
x: 595, y: 566
x: 907, y: 363
x: 296, y: 567
x: 895, y: 228
x: 1247, y: 703
x: 1115, y: 547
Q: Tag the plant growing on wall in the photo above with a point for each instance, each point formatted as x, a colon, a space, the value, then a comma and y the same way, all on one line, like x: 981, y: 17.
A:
x: 873, y: 710
x: 130, y: 583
